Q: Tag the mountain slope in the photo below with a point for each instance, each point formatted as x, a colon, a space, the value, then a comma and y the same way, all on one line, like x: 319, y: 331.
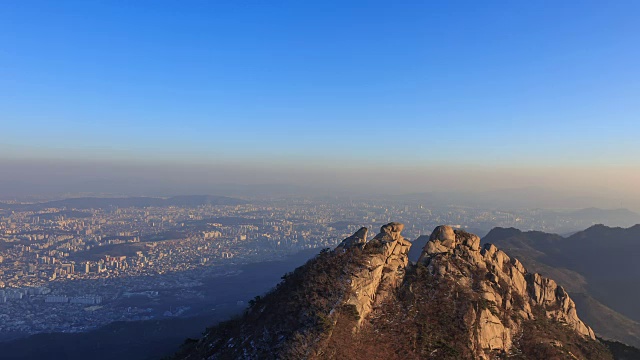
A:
x: 364, y: 300
x: 596, y: 266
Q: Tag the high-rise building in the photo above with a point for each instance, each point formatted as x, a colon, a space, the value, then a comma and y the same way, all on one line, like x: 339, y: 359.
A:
x: 68, y: 268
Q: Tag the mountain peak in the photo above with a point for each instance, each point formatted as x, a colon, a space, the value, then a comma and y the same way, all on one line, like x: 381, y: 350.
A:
x: 459, y: 300
x: 392, y: 229
x: 501, y: 281
x: 385, y: 265
x: 359, y: 238
x: 503, y: 232
x: 444, y: 239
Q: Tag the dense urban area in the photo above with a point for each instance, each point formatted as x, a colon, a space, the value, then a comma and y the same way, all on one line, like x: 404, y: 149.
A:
x: 70, y: 267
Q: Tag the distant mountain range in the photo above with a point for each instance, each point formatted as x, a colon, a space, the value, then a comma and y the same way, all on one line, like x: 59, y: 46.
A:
x: 584, y: 218
x: 521, y: 198
x: 123, y: 202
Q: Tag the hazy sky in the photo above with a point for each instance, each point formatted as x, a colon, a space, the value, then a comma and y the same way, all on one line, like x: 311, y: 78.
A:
x: 524, y: 92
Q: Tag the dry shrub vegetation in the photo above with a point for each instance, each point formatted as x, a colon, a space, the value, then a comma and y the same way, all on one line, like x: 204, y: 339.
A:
x: 428, y: 317
x: 289, y: 321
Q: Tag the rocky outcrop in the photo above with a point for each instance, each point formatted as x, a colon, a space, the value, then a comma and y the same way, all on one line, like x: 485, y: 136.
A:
x: 365, y: 301
x: 385, y: 263
x: 504, y: 286
x: 444, y: 239
x: 358, y: 239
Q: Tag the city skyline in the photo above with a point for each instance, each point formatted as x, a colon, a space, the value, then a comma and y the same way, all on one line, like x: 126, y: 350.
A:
x: 305, y: 179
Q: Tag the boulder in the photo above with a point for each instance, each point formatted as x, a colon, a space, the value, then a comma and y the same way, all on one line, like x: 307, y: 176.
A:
x: 359, y: 238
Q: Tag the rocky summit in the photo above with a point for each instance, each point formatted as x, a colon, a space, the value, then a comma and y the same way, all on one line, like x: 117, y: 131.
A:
x: 365, y: 300
x: 506, y: 287
x: 382, y: 272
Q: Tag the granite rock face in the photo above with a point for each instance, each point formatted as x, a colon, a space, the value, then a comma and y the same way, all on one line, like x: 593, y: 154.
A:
x: 385, y: 264
x: 444, y: 239
x: 365, y: 300
x: 505, y: 286
x: 358, y: 239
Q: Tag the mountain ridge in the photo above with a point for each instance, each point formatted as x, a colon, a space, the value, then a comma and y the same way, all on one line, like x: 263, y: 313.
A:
x: 365, y: 300
x: 596, y: 265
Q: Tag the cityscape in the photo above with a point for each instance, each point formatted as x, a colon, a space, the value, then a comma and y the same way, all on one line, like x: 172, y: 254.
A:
x: 65, y: 269
x: 318, y: 180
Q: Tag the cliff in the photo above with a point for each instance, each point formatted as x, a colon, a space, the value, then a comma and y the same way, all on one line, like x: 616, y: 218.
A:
x: 365, y: 300
x: 509, y: 295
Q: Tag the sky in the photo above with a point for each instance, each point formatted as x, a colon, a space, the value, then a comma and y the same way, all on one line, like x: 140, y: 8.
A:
x: 409, y: 95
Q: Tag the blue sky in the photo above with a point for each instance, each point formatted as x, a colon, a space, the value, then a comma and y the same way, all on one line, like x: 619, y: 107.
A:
x: 489, y: 83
